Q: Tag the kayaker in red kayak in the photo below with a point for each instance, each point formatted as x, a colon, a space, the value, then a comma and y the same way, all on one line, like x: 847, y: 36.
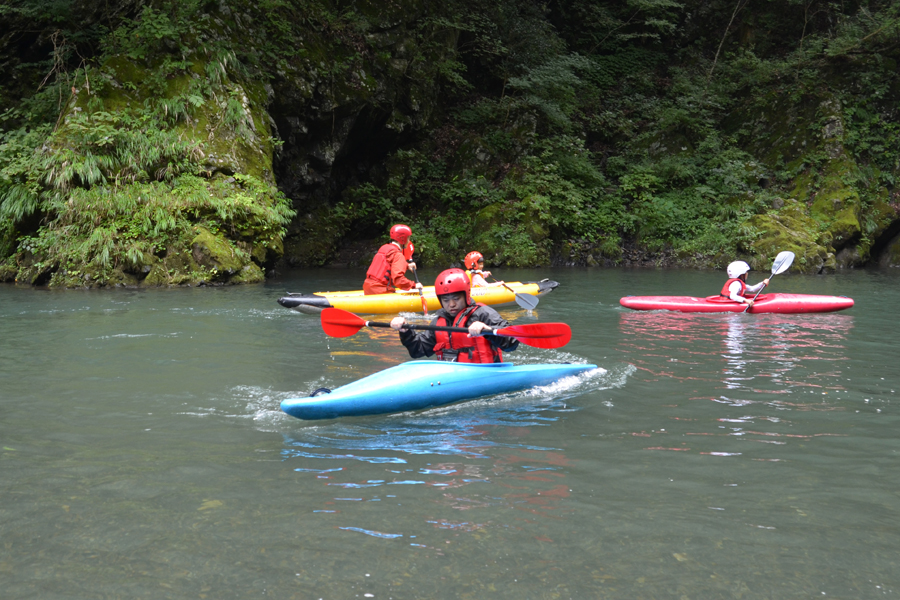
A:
x: 458, y: 310
x: 736, y: 287
x: 474, y: 262
x: 386, y: 273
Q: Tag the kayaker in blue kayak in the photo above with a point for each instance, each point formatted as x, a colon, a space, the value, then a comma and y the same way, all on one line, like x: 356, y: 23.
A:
x: 474, y: 262
x: 386, y: 273
x: 458, y: 310
x: 736, y: 287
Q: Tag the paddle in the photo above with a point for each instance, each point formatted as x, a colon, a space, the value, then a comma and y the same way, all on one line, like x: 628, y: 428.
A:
x: 781, y: 264
x: 340, y: 323
x: 412, y: 249
x: 526, y: 301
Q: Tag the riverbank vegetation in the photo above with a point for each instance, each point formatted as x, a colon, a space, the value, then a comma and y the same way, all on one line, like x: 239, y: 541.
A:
x: 159, y: 142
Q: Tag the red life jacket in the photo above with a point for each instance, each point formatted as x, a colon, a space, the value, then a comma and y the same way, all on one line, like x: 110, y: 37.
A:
x: 726, y: 293
x: 459, y: 347
x: 380, y: 269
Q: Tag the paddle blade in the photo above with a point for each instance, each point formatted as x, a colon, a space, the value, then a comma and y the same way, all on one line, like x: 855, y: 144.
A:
x: 782, y: 262
x: 539, y: 335
x: 408, y: 251
x: 527, y: 301
x: 340, y: 323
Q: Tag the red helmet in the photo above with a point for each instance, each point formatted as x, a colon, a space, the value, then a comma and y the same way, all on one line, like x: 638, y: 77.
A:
x: 453, y: 280
x: 401, y: 233
x: 472, y: 259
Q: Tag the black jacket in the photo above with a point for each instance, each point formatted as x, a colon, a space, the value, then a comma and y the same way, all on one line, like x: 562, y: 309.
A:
x: 421, y: 343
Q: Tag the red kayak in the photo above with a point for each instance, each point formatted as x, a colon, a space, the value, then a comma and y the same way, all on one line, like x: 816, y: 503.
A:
x: 765, y: 303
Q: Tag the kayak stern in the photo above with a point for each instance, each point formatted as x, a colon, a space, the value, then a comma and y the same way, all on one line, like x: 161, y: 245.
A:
x: 310, y: 304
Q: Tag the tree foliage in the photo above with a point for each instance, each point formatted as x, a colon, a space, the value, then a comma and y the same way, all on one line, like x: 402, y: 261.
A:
x: 567, y: 128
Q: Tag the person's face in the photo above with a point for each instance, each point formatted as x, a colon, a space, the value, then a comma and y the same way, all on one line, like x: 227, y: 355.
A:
x: 453, y: 303
x: 481, y: 264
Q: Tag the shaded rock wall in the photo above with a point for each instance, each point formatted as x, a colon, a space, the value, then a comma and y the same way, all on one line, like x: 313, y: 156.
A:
x: 340, y: 123
x: 824, y: 220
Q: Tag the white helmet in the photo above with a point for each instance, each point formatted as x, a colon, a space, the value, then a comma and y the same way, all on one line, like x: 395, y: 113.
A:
x: 736, y: 269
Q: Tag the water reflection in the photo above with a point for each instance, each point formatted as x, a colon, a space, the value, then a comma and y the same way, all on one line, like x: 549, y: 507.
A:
x: 760, y: 369
x: 426, y: 469
x: 763, y: 346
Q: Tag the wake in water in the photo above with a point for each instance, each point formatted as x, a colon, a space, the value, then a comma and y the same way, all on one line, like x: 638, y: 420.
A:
x: 534, y: 406
x: 460, y: 429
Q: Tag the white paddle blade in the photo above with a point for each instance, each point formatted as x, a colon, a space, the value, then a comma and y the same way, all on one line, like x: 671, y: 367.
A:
x: 782, y: 262
x: 527, y: 301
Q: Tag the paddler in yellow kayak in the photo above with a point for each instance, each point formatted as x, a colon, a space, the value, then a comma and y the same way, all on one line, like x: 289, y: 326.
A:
x: 386, y: 273
x: 458, y: 310
x: 474, y: 262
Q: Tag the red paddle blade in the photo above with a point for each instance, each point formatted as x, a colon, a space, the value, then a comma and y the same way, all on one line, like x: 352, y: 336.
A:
x: 408, y: 251
x: 539, y: 335
x: 340, y: 323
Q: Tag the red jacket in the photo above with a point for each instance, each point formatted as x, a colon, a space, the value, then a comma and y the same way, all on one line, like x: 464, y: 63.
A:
x: 459, y: 346
x: 386, y: 273
x: 425, y: 343
x: 727, y: 293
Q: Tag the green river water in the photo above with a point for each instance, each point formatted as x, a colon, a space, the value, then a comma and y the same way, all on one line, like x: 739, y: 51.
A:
x: 143, y: 453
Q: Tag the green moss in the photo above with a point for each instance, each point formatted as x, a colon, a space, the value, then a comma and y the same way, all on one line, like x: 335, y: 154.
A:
x: 837, y: 203
x: 891, y: 255
x: 216, y: 253
x: 777, y: 122
x: 249, y: 273
x: 313, y: 237
x: 8, y: 270
x: 176, y: 268
x: 789, y: 229
x: 881, y: 214
x: 267, y: 251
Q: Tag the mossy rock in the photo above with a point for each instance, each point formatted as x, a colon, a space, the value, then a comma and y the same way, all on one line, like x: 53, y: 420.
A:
x: 776, y: 132
x: 242, y: 145
x: 249, y: 273
x: 312, y: 238
x: 890, y: 257
x: 489, y: 217
x: 158, y: 277
x: 512, y: 238
x: 790, y: 229
x: 8, y: 271
x: 177, y: 267
x: 216, y: 253
x: 837, y: 204
x: 879, y: 217
x: 267, y: 252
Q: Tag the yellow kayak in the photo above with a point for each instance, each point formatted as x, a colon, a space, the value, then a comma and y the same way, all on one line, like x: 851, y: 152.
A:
x: 408, y: 301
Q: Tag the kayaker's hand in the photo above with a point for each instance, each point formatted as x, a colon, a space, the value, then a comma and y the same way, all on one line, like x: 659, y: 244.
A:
x: 485, y: 273
x: 766, y: 281
x: 419, y: 286
x: 399, y: 323
x: 749, y: 302
x: 477, y: 328
x: 412, y: 265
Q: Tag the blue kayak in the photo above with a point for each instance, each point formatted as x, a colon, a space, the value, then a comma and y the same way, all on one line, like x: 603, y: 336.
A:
x: 422, y: 384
